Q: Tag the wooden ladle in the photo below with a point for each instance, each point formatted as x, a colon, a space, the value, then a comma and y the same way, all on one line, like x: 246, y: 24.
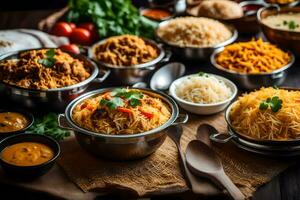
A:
x: 203, y: 161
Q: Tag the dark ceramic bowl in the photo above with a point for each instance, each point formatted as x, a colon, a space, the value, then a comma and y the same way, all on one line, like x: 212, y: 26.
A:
x: 28, y: 116
x: 29, y: 172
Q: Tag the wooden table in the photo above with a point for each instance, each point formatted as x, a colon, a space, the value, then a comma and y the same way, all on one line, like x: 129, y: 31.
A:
x: 286, y: 186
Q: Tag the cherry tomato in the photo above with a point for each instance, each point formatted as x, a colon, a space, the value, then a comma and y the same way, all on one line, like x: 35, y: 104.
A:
x: 73, y: 48
x: 61, y: 29
x: 91, y: 28
x: 73, y: 26
x: 81, y: 36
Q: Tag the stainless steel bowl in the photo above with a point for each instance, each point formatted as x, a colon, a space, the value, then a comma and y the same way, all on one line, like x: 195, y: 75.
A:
x: 272, y: 148
x: 121, y: 147
x: 131, y: 74
x: 194, y: 53
x: 51, y: 99
x: 254, y: 81
x: 284, y: 38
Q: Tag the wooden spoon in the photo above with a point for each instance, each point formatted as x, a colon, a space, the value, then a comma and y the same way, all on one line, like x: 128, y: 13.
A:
x: 203, y: 161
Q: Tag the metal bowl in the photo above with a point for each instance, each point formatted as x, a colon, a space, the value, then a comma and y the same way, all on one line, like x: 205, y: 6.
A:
x: 257, y: 80
x: 51, y: 99
x: 131, y: 74
x: 195, y: 53
x: 287, y: 148
x: 283, y: 38
x: 121, y: 147
x: 292, y: 4
x: 246, y: 24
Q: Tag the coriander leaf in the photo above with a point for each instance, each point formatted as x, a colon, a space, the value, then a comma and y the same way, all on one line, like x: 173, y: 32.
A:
x: 113, y: 103
x: 263, y: 105
x: 275, y: 87
x: 49, y: 61
x: 275, y: 103
x: 135, y: 102
x: 48, y: 126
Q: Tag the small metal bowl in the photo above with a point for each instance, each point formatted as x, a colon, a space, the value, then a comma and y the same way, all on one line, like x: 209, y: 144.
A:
x: 283, y: 38
x: 129, y: 75
x: 254, y: 81
x: 172, y: 15
x: 121, y: 147
x: 52, y: 99
x: 292, y: 4
x: 273, y: 148
x: 29, y: 172
x: 195, y: 53
x: 246, y: 24
x: 26, y: 114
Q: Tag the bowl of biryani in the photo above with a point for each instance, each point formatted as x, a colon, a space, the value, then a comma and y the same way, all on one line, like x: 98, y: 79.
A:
x: 195, y: 37
x: 130, y: 58
x: 121, y: 123
x: 265, y: 121
x: 253, y: 64
x: 203, y: 93
x: 281, y: 26
x: 45, y: 78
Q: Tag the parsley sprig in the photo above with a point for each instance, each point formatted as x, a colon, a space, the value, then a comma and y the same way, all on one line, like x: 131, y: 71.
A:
x: 119, y: 95
x: 49, y: 61
x: 275, y: 103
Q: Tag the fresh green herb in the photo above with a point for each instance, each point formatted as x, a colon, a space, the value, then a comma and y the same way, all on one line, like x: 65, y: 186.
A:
x: 203, y: 74
x: 118, y: 97
x: 274, y: 103
x: 111, y: 17
x: 113, y: 103
x: 275, y: 87
x: 49, y: 61
x: 292, y: 25
x: 48, y: 126
x: 133, y: 97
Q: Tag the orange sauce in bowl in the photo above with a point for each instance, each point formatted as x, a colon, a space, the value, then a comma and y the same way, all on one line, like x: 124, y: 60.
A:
x: 156, y: 14
x: 27, y: 154
x: 12, y: 121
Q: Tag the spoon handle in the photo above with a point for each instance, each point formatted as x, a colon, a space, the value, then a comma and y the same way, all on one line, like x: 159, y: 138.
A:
x: 235, y: 193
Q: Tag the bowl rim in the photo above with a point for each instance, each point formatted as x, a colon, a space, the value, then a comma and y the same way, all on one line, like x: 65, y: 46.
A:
x: 156, y: 60
x: 167, y: 99
x: 172, y: 14
x: 230, y: 40
x: 57, y: 151
x: 219, y: 67
x: 29, y: 116
x: 279, y: 10
x: 93, y: 75
x: 254, y: 140
x: 227, y: 82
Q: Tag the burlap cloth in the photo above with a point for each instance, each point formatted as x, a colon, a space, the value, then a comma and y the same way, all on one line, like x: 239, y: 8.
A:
x: 160, y: 172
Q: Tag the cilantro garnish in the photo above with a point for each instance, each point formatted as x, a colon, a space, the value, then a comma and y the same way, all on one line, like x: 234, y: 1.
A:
x: 113, y: 103
x: 120, y: 95
x: 203, y: 74
x: 49, y: 61
x: 292, y: 25
x: 274, y: 103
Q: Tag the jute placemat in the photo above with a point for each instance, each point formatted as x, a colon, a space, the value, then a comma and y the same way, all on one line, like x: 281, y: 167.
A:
x: 160, y: 172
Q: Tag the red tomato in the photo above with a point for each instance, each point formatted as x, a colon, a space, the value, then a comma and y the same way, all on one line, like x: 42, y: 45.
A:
x: 73, y: 26
x: 61, y: 29
x: 73, y: 48
x: 81, y: 36
x: 91, y: 28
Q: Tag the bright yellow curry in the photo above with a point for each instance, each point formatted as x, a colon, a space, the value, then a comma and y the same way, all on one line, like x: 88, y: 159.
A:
x: 27, y: 154
x: 12, y: 121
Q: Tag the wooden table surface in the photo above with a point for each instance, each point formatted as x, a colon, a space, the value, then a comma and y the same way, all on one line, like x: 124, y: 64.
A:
x: 286, y: 186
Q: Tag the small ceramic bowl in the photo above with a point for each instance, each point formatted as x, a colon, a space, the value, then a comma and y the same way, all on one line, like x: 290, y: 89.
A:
x: 29, y: 172
x: 200, y: 108
x: 26, y: 114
